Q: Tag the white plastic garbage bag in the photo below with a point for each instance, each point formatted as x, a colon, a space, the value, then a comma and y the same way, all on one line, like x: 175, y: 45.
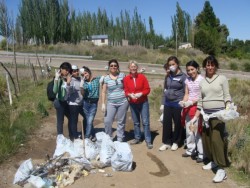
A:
x: 122, y: 159
x: 36, y: 181
x: 79, y: 147
x: 91, y: 149
x: 223, y: 115
x: 23, y: 171
x: 64, y: 145
x: 107, y: 150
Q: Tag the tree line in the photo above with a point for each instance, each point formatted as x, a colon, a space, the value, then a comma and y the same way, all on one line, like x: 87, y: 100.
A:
x: 52, y: 21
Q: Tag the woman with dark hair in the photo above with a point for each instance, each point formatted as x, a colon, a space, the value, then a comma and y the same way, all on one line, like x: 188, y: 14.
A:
x: 214, y: 97
x: 60, y: 103
x: 74, y: 100
x: 174, y: 89
x: 117, y: 104
x: 189, y: 104
x: 90, y: 89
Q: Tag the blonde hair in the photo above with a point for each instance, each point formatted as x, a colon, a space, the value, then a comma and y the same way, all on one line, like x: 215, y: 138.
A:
x: 133, y: 62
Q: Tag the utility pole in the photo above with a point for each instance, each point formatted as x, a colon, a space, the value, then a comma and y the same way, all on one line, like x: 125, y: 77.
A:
x: 176, y: 42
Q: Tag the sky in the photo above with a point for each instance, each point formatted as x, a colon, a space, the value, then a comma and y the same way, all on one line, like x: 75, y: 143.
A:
x: 234, y: 14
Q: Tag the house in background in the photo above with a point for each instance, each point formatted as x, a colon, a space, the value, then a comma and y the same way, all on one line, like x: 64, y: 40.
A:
x: 185, y: 45
x: 100, y: 40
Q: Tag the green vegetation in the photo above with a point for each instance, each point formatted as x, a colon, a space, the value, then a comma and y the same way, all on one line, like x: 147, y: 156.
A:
x: 18, y: 120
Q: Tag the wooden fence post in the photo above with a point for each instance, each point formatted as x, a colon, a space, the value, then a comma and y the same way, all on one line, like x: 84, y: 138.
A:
x: 9, y: 90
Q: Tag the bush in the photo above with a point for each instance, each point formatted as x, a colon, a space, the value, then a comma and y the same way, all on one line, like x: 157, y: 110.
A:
x: 233, y: 66
x: 3, y: 44
x: 246, y: 67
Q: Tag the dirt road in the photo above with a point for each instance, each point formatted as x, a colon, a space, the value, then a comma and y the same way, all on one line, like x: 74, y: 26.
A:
x: 153, y: 168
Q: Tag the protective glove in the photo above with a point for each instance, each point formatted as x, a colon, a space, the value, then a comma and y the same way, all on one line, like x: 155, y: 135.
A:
x: 57, y: 74
x: 181, y: 103
x: 188, y: 103
x: 103, y: 108
x: 162, y: 108
x: 82, y: 82
x: 132, y: 95
x: 228, y: 105
x: 138, y: 95
x: 101, y: 80
x: 81, y: 70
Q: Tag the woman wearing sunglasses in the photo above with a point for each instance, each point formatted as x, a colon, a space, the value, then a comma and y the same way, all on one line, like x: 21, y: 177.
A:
x: 117, y: 104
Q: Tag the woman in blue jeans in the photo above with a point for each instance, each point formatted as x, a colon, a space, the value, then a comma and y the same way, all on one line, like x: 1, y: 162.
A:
x: 136, y: 89
x: 90, y: 90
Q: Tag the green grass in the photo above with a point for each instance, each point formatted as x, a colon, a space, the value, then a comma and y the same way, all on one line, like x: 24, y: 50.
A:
x: 18, y: 120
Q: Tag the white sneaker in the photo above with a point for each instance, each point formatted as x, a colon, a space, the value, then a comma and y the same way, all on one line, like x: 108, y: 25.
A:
x: 174, y: 147
x: 220, y: 176
x: 164, y: 147
x: 209, y: 166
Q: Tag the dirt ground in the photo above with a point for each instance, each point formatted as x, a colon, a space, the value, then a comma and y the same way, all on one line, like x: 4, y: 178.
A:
x: 153, y: 168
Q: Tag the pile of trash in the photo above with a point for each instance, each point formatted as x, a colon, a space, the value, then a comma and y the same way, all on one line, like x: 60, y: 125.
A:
x: 72, y: 160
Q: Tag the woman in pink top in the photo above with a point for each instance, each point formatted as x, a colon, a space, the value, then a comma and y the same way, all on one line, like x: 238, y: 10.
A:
x: 189, y: 104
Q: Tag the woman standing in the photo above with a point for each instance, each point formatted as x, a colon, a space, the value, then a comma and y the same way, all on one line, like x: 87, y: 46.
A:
x: 214, y: 97
x: 136, y: 89
x: 60, y: 103
x: 117, y: 104
x: 90, y: 91
x: 189, y: 104
x: 74, y: 100
x: 174, y: 89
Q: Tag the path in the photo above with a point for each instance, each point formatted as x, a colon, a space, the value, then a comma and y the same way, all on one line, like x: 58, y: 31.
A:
x: 153, y: 168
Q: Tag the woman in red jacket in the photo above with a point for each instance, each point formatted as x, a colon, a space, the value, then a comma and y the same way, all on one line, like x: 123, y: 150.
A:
x: 136, y: 89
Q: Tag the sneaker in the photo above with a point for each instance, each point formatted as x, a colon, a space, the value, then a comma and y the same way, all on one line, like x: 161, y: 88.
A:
x: 135, y: 141
x: 185, y: 155
x: 220, y: 176
x: 209, y: 166
x: 174, y: 147
x: 93, y: 139
x: 164, y: 147
x: 149, y: 145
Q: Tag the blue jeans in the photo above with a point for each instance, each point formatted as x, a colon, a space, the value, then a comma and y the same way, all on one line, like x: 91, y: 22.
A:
x: 141, y: 111
x: 62, y: 109
x: 89, y: 112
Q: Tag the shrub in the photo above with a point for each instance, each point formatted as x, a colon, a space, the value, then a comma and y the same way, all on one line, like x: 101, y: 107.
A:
x: 246, y: 66
x: 233, y: 66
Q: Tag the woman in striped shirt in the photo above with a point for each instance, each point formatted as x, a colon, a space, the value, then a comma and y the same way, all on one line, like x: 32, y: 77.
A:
x: 189, y: 104
x: 117, y: 104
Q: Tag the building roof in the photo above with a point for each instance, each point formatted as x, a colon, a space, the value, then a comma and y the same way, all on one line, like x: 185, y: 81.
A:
x: 93, y: 37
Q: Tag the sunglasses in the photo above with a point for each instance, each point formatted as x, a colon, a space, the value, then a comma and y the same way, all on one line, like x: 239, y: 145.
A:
x: 112, y: 65
x: 75, y: 71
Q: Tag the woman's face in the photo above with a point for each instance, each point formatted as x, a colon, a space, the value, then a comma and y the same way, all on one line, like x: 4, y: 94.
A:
x: 113, y: 67
x: 173, y: 66
x: 192, y: 72
x: 86, y: 75
x: 75, y: 73
x: 64, y: 72
x: 210, y: 69
x: 133, y: 68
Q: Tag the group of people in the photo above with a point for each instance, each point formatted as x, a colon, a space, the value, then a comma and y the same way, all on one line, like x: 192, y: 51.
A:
x: 78, y: 92
x: 184, y: 97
